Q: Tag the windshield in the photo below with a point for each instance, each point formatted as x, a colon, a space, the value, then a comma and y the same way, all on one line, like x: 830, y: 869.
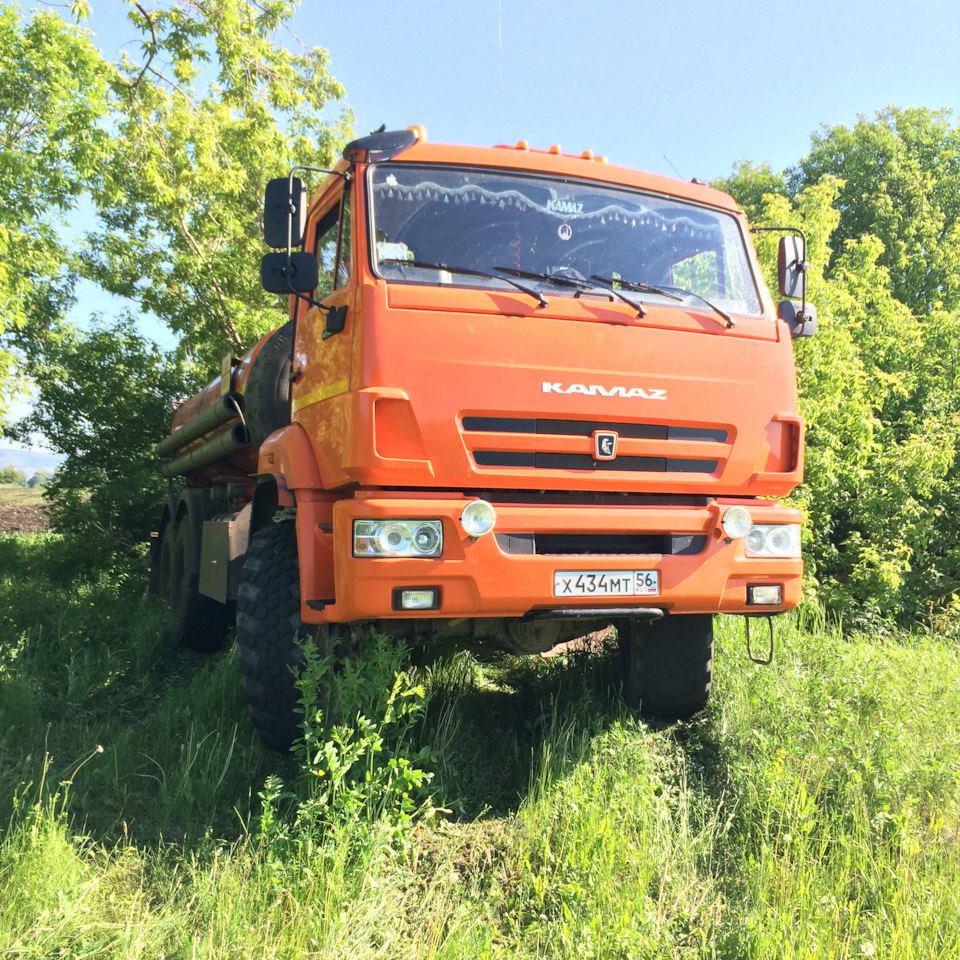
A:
x: 437, y: 224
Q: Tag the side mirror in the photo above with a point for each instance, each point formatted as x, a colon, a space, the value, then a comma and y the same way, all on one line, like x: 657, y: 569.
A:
x: 802, y: 321
x: 791, y: 268
x: 293, y: 273
x: 284, y: 213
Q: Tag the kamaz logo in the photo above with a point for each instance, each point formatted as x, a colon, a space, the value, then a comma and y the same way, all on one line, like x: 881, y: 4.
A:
x: 564, y: 206
x: 593, y: 390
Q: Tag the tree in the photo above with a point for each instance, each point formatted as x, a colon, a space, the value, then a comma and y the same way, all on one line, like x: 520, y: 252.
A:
x: 878, y: 387
x: 213, y: 109
x: 12, y: 475
x: 52, y: 99
x: 900, y: 175
x: 105, y: 401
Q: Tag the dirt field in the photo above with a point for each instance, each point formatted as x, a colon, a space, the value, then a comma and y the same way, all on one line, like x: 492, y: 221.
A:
x: 21, y: 510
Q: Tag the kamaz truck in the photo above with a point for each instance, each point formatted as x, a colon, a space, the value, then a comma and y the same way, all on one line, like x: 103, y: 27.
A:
x: 521, y: 396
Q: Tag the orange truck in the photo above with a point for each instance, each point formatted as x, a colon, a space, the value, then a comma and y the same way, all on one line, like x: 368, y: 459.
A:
x: 521, y: 396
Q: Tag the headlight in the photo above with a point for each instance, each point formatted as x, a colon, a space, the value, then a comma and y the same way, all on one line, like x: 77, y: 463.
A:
x: 397, y: 538
x: 736, y: 523
x: 478, y: 518
x: 773, y: 540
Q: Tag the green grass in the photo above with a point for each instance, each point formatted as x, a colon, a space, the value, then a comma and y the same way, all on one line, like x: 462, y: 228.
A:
x: 812, y: 811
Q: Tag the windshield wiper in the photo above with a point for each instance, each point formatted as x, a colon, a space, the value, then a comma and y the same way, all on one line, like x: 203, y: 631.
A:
x: 645, y: 287
x: 468, y: 272
x: 572, y: 282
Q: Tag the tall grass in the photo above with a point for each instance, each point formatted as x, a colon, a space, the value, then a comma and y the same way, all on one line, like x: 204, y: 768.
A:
x: 812, y: 811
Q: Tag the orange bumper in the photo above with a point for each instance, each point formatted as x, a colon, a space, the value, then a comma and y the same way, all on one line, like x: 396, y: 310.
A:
x: 480, y: 578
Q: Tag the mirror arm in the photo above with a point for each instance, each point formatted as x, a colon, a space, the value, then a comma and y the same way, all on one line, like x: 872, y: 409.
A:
x: 347, y: 177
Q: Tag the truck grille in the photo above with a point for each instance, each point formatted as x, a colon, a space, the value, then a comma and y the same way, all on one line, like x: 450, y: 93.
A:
x: 565, y: 445
x: 608, y: 545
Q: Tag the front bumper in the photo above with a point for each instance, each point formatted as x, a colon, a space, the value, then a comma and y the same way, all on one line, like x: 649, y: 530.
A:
x: 479, y: 578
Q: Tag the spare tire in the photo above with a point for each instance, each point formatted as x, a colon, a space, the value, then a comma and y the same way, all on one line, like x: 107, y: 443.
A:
x: 267, y: 394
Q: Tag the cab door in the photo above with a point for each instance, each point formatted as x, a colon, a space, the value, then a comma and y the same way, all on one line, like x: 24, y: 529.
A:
x: 322, y: 351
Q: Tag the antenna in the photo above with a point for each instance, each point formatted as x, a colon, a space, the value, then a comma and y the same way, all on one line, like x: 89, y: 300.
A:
x: 500, y: 58
x: 673, y: 168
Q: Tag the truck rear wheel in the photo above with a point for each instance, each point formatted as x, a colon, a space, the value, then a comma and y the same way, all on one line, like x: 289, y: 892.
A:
x: 667, y: 664
x: 199, y: 622
x: 269, y: 633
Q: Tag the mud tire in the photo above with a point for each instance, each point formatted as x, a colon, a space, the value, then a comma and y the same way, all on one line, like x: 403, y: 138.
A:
x: 268, y: 625
x: 267, y: 393
x: 667, y: 664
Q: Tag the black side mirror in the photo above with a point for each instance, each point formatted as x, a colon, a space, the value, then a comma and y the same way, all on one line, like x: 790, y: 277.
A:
x: 802, y: 321
x: 284, y: 213
x: 791, y: 268
x: 293, y: 273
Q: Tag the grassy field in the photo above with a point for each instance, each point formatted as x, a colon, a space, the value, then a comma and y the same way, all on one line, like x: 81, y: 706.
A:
x: 509, y: 808
x: 21, y: 509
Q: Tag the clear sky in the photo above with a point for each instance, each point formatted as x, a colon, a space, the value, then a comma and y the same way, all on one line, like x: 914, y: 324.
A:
x: 704, y: 84
x: 676, y: 86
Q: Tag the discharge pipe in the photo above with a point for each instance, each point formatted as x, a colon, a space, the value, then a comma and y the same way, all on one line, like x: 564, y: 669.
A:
x: 232, y: 440
x: 228, y: 407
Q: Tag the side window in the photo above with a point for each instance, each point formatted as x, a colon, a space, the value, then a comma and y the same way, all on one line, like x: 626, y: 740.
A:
x: 333, y: 248
x: 344, y: 254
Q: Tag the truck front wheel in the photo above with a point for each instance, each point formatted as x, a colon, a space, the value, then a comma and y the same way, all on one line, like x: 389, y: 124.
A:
x: 667, y: 664
x: 269, y: 634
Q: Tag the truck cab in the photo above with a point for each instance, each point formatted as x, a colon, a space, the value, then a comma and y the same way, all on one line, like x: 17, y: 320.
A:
x: 529, y: 395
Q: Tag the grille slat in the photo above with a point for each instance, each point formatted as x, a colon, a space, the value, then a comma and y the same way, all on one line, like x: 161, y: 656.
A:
x: 585, y: 428
x: 583, y: 461
x: 600, y: 545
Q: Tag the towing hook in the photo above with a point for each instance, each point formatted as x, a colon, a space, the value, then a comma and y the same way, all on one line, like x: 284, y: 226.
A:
x: 762, y: 661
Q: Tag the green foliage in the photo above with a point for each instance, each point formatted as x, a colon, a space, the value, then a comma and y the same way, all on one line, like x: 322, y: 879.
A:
x: 105, y: 399
x: 816, y: 803
x: 878, y: 383
x: 13, y: 475
x: 214, y: 107
x: 52, y: 98
x: 361, y: 774
x: 173, y: 150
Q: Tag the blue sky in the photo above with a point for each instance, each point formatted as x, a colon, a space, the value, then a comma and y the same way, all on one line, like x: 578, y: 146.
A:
x: 682, y: 87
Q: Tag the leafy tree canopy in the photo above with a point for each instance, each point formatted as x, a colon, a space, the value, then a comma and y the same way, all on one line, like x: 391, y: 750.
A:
x: 53, y: 97
x: 878, y: 384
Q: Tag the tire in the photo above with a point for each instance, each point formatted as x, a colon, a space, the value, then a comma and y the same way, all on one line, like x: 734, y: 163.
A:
x: 269, y: 630
x: 199, y: 622
x: 667, y: 664
x: 267, y: 393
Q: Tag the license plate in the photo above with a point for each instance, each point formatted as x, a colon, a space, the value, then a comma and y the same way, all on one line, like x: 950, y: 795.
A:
x: 606, y: 583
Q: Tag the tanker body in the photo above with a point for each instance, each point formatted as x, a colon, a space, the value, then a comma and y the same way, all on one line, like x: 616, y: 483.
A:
x: 521, y: 396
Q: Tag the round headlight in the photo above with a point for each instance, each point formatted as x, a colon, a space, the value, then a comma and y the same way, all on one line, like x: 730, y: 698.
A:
x: 779, y: 541
x: 756, y: 540
x: 478, y: 518
x: 426, y: 538
x: 736, y: 522
x: 394, y: 538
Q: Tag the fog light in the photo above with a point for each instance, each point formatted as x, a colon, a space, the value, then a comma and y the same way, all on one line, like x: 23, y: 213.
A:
x: 768, y: 594
x: 418, y: 598
x: 736, y: 523
x: 478, y: 518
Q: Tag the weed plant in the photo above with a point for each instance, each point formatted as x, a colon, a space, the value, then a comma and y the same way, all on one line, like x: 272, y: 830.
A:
x: 480, y: 806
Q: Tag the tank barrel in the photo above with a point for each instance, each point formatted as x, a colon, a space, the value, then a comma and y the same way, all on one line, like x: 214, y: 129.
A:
x: 224, y: 444
x: 227, y: 408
